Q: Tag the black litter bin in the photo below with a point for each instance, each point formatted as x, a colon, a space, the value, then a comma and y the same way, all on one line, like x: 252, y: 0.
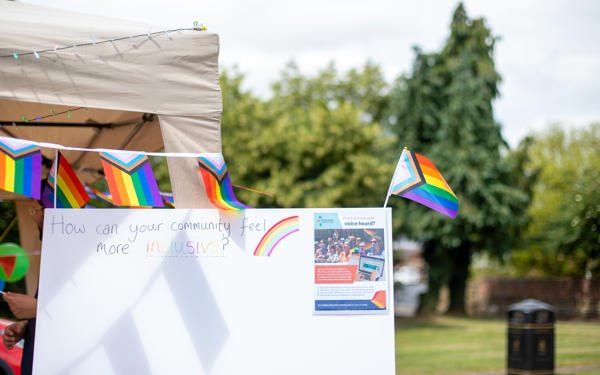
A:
x: 530, y: 338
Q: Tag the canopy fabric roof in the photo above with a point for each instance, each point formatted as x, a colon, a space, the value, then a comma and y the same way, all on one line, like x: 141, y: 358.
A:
x: 130, y: 73
x: 169, y: 73
x: 122, y: 83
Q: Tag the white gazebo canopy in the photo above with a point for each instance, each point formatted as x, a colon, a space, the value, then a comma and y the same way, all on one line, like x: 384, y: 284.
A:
x: 133, y: 81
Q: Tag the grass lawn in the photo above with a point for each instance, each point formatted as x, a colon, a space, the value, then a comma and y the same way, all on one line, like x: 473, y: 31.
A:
x: 453, y: 345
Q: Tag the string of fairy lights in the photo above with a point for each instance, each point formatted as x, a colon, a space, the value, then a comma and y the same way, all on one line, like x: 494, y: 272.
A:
x: 24, y: 120
x: 38, y: 52
x: 40, y: 118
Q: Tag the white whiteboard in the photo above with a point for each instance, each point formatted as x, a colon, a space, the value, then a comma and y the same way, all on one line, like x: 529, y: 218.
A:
x: 150, y: 310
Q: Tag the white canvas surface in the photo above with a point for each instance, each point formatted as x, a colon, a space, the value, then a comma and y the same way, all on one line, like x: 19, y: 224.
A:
x: 220, y: 310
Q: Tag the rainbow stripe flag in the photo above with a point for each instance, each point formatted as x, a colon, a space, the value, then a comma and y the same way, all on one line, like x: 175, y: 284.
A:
x: 105, y: 197
x: 217, y: 183
x: 416, y: 178
x: 70, y: 192
x: 20, y: 167
x: 370, y: 232
x: 168, y: 199
x: 130, y: 179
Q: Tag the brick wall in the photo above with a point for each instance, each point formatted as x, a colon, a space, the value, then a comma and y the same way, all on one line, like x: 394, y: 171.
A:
x: 571, y: 298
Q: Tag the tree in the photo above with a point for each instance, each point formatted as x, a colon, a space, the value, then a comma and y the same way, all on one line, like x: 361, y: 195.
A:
x: 443, y: 110
x: 8, y: 225
x: 315, y: 143
x: 563, y: 238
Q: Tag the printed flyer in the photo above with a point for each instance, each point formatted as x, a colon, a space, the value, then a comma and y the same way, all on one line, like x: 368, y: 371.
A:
x: 351, y: 260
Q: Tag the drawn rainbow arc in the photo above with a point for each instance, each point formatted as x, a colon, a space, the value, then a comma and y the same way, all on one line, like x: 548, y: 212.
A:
x: 275, y: 234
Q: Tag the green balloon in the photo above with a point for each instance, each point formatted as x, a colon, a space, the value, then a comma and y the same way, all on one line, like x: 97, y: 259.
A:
x: 13, y: 262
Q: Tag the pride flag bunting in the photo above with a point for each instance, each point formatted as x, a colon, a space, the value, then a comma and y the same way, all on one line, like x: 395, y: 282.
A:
x: 70, y: 192
x: 168, y: 199
x: 130, y: 179
x: 105, y: 197
x: 416, y: 178
x: 217, y: 183
x: 20, y: 167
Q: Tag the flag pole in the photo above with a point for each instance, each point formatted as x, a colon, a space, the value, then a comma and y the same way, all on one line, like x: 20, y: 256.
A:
x: 55, y: 176
x: 391, y: 182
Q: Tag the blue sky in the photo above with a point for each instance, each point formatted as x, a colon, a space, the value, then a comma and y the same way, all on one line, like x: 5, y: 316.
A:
x: 548, y: 54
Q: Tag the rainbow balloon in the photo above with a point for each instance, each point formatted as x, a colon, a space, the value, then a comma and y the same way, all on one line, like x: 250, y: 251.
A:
x: 275, y: 234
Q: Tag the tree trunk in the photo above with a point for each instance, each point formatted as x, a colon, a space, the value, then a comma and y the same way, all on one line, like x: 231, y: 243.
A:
x: 435, y: 277
x: 457, y: 283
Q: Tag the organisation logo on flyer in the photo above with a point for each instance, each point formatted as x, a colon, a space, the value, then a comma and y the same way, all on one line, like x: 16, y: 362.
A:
x: 328, y: 220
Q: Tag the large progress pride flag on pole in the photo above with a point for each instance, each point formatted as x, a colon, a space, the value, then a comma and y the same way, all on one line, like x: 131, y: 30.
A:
x: 416, y: 178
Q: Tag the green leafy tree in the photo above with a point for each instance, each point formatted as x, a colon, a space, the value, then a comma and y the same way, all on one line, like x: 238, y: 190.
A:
x: 443, y: 110
x: 315, y: 143
x: 9, y: 231
x: 563, y: 238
